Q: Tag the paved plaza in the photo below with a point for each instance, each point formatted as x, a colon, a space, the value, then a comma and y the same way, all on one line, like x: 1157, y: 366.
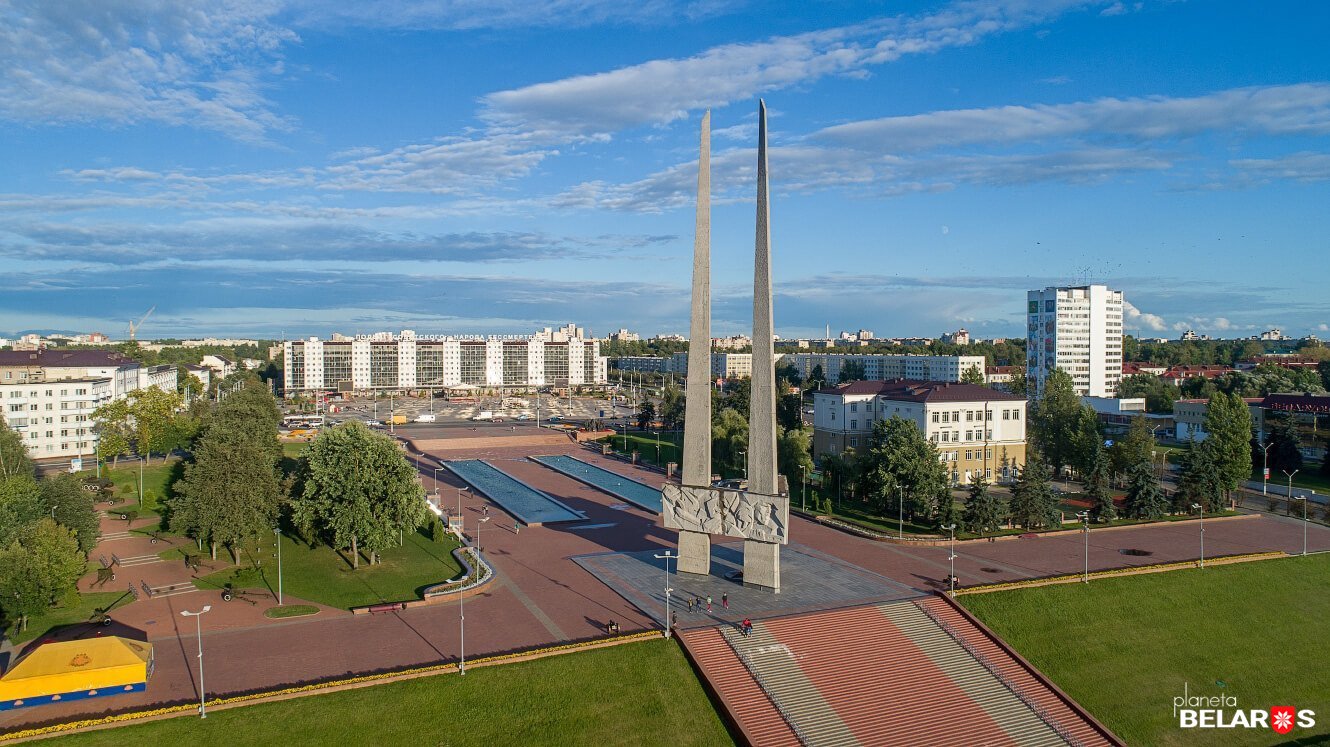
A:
x: 545, y: 593
x: 811, y: 581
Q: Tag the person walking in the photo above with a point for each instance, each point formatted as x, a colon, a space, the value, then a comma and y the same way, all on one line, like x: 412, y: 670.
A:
x: 725, y: 600
x: 708, y: 603
x: 690, y: 605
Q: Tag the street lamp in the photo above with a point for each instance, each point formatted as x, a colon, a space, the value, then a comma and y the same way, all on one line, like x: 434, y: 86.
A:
x: 900, y: 510
x: 53, y: 508
x: 1290, y: 481
x: 1305, y: 501
x: 667, y: 556
x: 1201, y: 511
x: 743, y: 460
x: 1084, y: 516
x: 803, y: 495
x: 203, y: 705
x: 951, y: 559
x: 277, y: 537
x: 480, y: 523
x: 1265, y: 468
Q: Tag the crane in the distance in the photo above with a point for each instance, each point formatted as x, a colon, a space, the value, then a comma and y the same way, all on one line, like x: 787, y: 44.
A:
x: 134, y: 326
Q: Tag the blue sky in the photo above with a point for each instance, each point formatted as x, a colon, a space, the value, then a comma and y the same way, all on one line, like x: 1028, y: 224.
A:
x: 268, y: 168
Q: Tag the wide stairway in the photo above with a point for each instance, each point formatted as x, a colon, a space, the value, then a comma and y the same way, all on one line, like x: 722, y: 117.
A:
x: 899, y: 673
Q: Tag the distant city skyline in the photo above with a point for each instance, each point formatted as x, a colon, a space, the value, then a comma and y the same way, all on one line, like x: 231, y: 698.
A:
x: 259, y: 168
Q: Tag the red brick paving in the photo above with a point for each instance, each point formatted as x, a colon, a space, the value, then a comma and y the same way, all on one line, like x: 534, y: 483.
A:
x: 534, y: 568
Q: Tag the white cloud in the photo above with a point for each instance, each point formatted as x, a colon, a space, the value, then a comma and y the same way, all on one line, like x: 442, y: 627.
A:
x: 1302, y: 109
x: 1137, y: 319
x: 475, y: 14
x: 1301, y: 167
x: 197, y: 63
x: 661, y: 91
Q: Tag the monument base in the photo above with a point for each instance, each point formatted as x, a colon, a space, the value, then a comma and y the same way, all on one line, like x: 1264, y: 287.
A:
x: 762, y: 565
x: 694, y: 552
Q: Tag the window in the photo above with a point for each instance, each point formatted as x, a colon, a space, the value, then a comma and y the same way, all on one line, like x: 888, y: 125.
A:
x: 968, y: 455
x: 1006, y: 414
x: 946, y: 417
x: 854, y: 425
x: 956, y: 415
x: 1015, y: 414
x: 969, y: 416
x: 935, y: 417
x: 854, y: 441
x: 989, y: 435
x: 854, y: 407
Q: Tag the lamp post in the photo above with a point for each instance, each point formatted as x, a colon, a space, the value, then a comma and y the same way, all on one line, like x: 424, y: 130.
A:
x: 900, y: 510
x: 436, y: 481
x: 743, y: 460
x: 657, y: 435
x: 1084, y: 516
x: 951, y: 560
x: 1305, y: 501
x: 1290, y: 481
x: 803, y: 494
x: 461, y: 608
x: 1201, y: 511
x: 277, y: 537
x: 53, y: 508
x: 667, y: 556
x: 480, y: 523
x: 203, y: 704
x: 1265, y: 469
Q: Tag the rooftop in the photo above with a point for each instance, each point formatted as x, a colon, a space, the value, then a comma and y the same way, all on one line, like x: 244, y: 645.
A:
x: 909, y: 390
x: 49, y: 358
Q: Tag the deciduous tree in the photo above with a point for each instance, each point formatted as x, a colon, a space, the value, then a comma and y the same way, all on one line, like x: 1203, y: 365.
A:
x: 1228, y: 423
x: 898, y: 455
x: 14, y: 459
x: 74, y: 508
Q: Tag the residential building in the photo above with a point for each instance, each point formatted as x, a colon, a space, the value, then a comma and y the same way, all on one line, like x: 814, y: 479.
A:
x: 215, y: 342
x: 977, y: 430
x: 723, y: 365
x: 1191, y: 336
x: 1189, y: 417
x: 1275, y: 334
x: 1000, y: 377
x: 1179, y: 374
x: 221, y: 365
x: 1134, y: 369
x: 48, y: 396
x: 733, y: 342
x: 623, y: 335
x: 202, y: 373
x: 409, y: 361
x: 669, y: 338
x: 1079, y: 330
x: 887, y: 367
x: 959, y: 337
x: 1117, y: 413
x: 641, y: 363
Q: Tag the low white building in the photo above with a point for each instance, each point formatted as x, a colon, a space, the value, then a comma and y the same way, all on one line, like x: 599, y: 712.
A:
x: 54, y: 418
x: 976, y: 430
x: 887, y: 367
x: 220, y: 365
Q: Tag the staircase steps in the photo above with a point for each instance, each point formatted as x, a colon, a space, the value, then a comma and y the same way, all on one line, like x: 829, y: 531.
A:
x: 747, y: 704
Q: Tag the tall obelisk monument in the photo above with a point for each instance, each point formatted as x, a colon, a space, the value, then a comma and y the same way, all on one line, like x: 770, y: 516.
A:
x: 695, y: 547
x: 762, y: 559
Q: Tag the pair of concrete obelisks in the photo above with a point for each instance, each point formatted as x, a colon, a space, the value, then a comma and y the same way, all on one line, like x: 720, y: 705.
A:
x: 758, y: 511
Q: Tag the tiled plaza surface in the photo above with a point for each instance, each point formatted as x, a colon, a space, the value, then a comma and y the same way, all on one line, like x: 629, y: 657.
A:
x: 810, y: 580
x: 542, y: 596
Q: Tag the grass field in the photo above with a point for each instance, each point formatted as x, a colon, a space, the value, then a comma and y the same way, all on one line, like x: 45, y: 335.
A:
x: 1124, y: 647
x: 157, y: 478
x: 80, y: 611
x: 634, y: 694
x: 323, y: 575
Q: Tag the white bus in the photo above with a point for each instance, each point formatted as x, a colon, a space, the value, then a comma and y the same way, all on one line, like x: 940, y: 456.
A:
x: 303, y: 422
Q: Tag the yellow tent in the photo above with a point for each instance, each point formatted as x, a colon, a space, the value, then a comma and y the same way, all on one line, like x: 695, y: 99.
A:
x: 74, y: 670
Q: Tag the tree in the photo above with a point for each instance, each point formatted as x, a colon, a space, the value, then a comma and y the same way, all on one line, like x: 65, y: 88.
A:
x: 113, y: 429
x: 898, y: 456
x: 1097, y: 487
x: 1144, y: 499
x: 973, y: 375
x: 1283, y: 441
x: 1323, y: 369
x: 729, y: 437
x: 1228, y: 423
x: 672, y: 407
x: 852, y: 370
x: 1138, y: 445
x: 39, y: 570
x: 153, y: 413
x: 817, y: 378
x: 20, y: 507
x: 794, y: 454
x: 359, y: 491
x: 788, y: 411
x: 645, y: 414
x: 1201, y: 480
x: 1018, y: 383
x: 1086, y: 440
x: 14, y: 459
x: 231, y: 490
x: 1033, y: 504
x: 984, y: 511
x: 1159, y: 395
x: 1056, y: 419
x: 74, y: 508
x: 949, y: 514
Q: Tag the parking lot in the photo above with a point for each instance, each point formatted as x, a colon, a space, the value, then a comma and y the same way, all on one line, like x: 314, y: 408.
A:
x: 507, y: 409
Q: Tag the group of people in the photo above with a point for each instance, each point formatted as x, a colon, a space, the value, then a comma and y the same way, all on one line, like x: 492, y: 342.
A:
x: 696, y: 602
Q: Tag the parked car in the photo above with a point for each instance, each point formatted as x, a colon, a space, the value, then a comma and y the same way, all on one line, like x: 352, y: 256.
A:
x: 426, y: 417
x: 523, y: 416
x: 374, y: 423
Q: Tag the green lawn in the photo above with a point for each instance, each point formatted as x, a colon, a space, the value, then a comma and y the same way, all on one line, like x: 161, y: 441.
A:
x: 1123, y: 647
x: 1309, y: 477
x: 157, y: 478
x: 325, y: 576
x: 634, y: 694
x: 80, y: 611
x: 671, y: 446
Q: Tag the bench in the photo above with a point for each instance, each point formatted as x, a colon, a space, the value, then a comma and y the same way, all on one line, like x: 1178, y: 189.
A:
x: 390, y: 607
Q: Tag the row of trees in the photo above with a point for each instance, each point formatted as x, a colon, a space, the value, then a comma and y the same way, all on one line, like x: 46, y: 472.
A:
x: 47, y: 529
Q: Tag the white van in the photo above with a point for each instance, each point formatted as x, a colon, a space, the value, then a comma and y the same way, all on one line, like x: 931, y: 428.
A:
x: 426, y: 417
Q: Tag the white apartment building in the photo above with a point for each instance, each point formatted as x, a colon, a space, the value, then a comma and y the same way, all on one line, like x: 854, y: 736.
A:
x: 407, y: 361
x: 1079, y: 330
x: 641, y: 363
x: 723, y: 365
x: 887, y: 367
x: 48, y: 396
x: 977, y: 430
